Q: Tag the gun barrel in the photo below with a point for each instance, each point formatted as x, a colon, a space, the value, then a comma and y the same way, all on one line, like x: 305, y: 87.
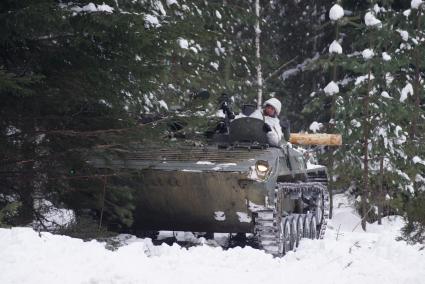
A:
x: 316, y: 139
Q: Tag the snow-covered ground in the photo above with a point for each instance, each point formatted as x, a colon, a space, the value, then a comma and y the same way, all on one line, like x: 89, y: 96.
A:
x: 343, y: 256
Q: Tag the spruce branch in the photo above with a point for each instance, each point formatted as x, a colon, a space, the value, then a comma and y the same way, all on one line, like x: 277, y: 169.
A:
x: 280, y: 69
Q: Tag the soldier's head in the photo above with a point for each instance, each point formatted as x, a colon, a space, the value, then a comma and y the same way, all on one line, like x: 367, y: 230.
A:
x: 272, y: 107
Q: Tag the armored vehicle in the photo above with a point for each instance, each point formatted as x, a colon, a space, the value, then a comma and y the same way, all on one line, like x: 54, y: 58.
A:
x: 238, y: 184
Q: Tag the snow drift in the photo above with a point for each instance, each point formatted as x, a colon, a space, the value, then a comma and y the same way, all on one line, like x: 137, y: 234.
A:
x: 342, y: 257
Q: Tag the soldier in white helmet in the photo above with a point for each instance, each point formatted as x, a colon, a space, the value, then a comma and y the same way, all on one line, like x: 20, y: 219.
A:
x: 269, y: 114
x: 271, y: 111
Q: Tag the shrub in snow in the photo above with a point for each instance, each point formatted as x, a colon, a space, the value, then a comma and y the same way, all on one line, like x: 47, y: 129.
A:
x: 8, y: 212
x: 315, y: 126
x: 159, y: 7
x: 12, y: 130
x: 183, y: 43
x: 151, y: 21
x: 91, y: 8
x: 214, y: 65
x: 105, y: 8
x: 53, y: 218
x: 386, y: 56
x: 414, y: 230
x: 408, y: 89
x: 404, y: 34
x: 407, y: 13
x: 217, y: 14
x: 368, y: 53
x: 336, y: 12
x: 385, y: 95
x: 418, y: 160
x: 171, y: 2
x: 355, y: 123
x: 378, y: 9
x: 371, y: 21
x: 335, y: 47
x: 363, y: 78
x: 416, y: 3
x: 331, y: 89
x: 163, y: 104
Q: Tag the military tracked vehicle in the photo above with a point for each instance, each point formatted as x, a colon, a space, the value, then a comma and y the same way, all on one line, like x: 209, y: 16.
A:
x: 238, y: 184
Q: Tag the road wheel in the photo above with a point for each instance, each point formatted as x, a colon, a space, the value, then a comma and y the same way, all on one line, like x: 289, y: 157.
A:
x: 292, y: 232
x: 313, y: 227
x: 285, y: 243
x: 318, y: 211
x: 299, y: 221
x: 306, y: 226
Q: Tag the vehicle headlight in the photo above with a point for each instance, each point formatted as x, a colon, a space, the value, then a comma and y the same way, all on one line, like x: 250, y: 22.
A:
x: 262, y: 167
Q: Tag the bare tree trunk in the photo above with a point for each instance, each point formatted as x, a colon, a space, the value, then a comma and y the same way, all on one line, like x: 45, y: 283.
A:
x: 365, y: 193
x: 416, y: 83
x: 258, y: 54
x: 381, y: 185
x: 228, y: 69
x: 331, y: 159
x: 331, y: 181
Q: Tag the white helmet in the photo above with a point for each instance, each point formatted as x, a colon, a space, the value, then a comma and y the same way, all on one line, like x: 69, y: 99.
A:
x: 274, y: 103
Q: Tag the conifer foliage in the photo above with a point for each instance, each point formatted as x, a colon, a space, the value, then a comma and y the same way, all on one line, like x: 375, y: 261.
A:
x: 373, y: 71
x: 66, y: 71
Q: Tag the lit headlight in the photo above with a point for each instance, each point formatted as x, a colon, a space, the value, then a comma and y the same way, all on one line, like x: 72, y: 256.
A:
x: 262, y: 167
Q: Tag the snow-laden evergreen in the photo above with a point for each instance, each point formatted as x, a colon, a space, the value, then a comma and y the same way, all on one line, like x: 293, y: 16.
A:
x: 415, y: 4
x: 371, y: 20
x: 336, y: 12
x: 331, y: 88
x: 377, y: 75
x: 335, y: 47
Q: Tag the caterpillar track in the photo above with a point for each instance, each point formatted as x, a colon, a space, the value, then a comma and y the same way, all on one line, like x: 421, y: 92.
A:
x: 278, y: 232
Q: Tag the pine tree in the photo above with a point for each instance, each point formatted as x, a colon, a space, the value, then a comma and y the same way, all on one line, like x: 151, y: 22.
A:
x: 67, y: 71
x: 365, y: 107
x: 410, y: 28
